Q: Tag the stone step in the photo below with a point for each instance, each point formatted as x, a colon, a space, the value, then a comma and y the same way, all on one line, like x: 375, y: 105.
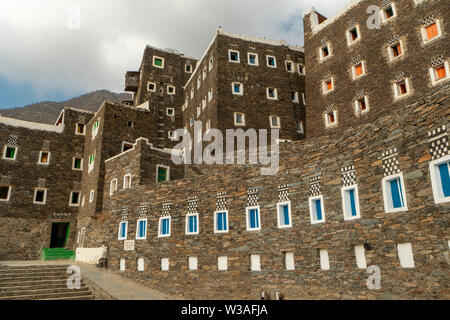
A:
x: 10, y: 273
x: 34, y: 268
x: 36, y: 286
x: 32, y: 277
x: 55, y: 296
x: 91, y: 297
x: 33, y: 292
x: 18, y: 283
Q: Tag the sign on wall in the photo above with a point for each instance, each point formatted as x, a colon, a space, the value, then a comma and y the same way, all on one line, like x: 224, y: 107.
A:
x: 128, y: 245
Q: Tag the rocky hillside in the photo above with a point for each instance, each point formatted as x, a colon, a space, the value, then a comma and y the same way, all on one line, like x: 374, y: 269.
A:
x: 48, y: 111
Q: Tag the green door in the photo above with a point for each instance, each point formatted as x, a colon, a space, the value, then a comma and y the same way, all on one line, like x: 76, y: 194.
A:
x: 60, y: 235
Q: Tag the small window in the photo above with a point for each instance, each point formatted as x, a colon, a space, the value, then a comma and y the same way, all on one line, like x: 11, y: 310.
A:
x: 91, y: 196
x: 301, y: 68
x: 192, y: 224
x: 253, y: 219
x: 80, y: 129
x: 10, y: 153
x: 171, y: 90
x: 289, y: 262
x: 431, y: 31
x: 192, y: 263
x: 233, y: 56
x: 123, y: 230
x: 439, y: 73
x: 290, y: 66
x: 211, y: 63
x: 192, y: 93
x: 222, y: 263
x: 199, y: 82
x: 210, y: 94
x: 271, y: 61
x: 353, y: 35
x: 5, y: 193
x: 359, y: 70
x: 74, y: 199
x: 127, y: 146
x: 294, y: 97
x: 395, y: 50
x: 361, y: 105
x: 272, y: 94
x: 204, y: 73
x: 44, y: 157
x: 324, y: 260
x: 191, y: 121
x: 275, y: 122
x: 325, y: 52
x: 95, y: 128
x: 221, y: 222
x: 394, y: 194
x: 162, y: 173
x: 151, y: 86
x: 140, y: 264
x: 405, y: 255
x: 253, y: 59
x: 331, y: 119
x: 188, y: 68
x: 255, y: 262
x: 164, y: 227
x: 388, y: 12
x: 40, y: 196
x: 284, y: 215
x: 141, y: 232
x: 440, y: 179
x: 299, y: 127
x: 165, y: 264
x: 402, y: 88
x: 237, y: 88
x: 239, y: 119
x: 77, y: 164
x: 127, y: 181
x: 158, y: 62
x: 122, y: 265
x: 204, y: 103
x: 350, y: 202
x: 170, y: 112
x: 304, y: 98
x: 328, y: 85
x: 316, y: 209
x: 112, y: 186
x: 360, y: 256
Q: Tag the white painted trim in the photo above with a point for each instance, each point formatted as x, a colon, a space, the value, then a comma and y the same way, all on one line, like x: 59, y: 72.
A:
x: 425, y: 39
x: 91, y: 196
x: 360, y: 256
x: 171, y: 87
x: 348, y: 215
x: 274, y: 61
x: 125, y: 186
x: 168, y: 172
x: 289, y: 261
x: 275, y: 91
x: 436, y: 183
x: 327, y: 121
x: 40, y: 158
x: 111, y: 191
x: 287, y: 62
x: 364, y: 71
x: 324, y: 259
x: 126, y: 230
x: 148, y: 86
x: 433, y: 75
x: 357, y: 106
x: 73, y: 164
x: 137, y: 229
x: 350, y: 41
x: 45, y: 196
x: 303, y: 68
x: 15, y: 152
x: 325, y: 90
x: 311, y: 209
x: 256, y: 59
x: 243, y: 119
x: 155, y: 65
x: 387, y: 207
x: 279, y: 213
x: 31, y: 125
x: 140, y: 264
x: 76, y: 129
x: 247, y: 217
x: 8, y: 195
x: 241, y: 89
x: 193, y: 263
x: 296, y: 97
x: 238, y: 56
x: 391, y: 51
x: 384, y: 19
x: 187, y: 224
x: 322, y: 58
x: 397, y: 95
x: 70, y: 199
x: 165, y: 264
x: 160, y: 235
x: 278, y: 126
x: 226, y: 219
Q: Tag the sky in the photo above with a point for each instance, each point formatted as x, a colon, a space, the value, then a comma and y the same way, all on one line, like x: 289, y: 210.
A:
x: 53, y: 50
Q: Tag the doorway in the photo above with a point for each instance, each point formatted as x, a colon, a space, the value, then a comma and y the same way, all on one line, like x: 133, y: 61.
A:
x: 59, y: 235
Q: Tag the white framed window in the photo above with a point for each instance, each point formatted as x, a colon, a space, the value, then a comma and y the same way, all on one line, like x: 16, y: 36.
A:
x: 5, y: 193
x: 74, y: 200
x: 221, y: 221
x: 294, y: 97
x: 253, y: 59
x: 91, y: 196
x: 204, y: 73
x: 328, y: 85
x: 394, y: 193
x: 10, y: 153
x: 141, y: 232
x: 253, y: 217
x: 122, y: 265
x: 222, y: 263
x: 165, y: 264
x: 405, y: 255
x: 233, y: 56
x: 325, y: 52
x: 301, y: 68
x: 172, y: 135
x: 204, y: 103
x: 316, y: 209
x: 402, y: 88
x: 127, y: 181
x: 350, y: 202
x: 210, y: 94
x: 440, y: 179
x: 192, y: 93
x: 237, y: 88
x: 77, y: 163
x: 192, y: 263
x: 123, y: 230
x: 112, y: 186
x: 239, y: 119
x: 162, y: 173
x: 255, y: 262
x: 360, y: 256
x: 275, y: 122
x: 158, y: 62
x: 199, y: 82
x: 304, y: 98
x: 188, y: 68
x: 289, y: 263
x: 171, y: 90
x: 388, y: 13
x: 140, y: 264
x: 95, y: 128
x: 211, y: 63
x: 396, y: 50
x: 439, y: 73
x: 272, y: 93
x: 324, y: 259
x: 299, y: 127
x: 127, y: 146
x: 353, y: 35
x: 40, y: 196
x: 80, y: 129
x: 431, y: 32
x: 331, y: 119
x: 284, y: 216
x: 164, y: 227
x: 151, y: 86
x: 271, y: 61
x: 192, y: 224
x: 199, y: 110
x: 83, y: 201
x: 208, y: 125
x: 361, y: 105
x: 290, y: 66
x: 170, y: 112
x: 44, y: 158
x: 359, y: 70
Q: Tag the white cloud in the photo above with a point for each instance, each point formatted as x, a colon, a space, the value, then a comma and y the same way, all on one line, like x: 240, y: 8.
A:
x: 36, y: 45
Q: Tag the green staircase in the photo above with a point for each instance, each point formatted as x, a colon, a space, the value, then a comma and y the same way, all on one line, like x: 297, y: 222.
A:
x: 57, y: 254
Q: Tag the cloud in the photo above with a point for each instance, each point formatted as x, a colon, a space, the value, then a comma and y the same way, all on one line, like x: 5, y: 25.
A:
x: 38, y: 48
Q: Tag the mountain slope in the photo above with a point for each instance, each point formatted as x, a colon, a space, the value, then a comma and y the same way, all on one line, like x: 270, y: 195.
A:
x: 48, y: 111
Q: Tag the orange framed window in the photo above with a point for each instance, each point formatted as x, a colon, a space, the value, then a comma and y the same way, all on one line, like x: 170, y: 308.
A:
x: 432, y: 31
x: 441, y: 73
x: 397, y: 50
x: 362, y: 104
x: 402, y: 87
x: 359, y: 70
x: 329, y: 85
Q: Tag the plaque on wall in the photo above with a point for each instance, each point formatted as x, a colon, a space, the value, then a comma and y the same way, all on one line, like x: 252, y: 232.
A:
x: 128, y: 245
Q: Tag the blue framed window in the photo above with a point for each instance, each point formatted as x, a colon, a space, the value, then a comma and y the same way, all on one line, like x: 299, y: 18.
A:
x: 253, y: 219
x: 394, y: 193
x: 444, y: 176
x: 440, y: 179
x: 192, y: 224
x: 350, y: 202
x: 284, y: 214
x: 316, y: 209
x: 237, y: 88
x: 123, y: 228
x: 164, y: 227
x: 141, y: 232
x: 221, y: 222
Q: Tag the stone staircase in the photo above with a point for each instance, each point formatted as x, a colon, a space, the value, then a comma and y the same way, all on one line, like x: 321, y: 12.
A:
x: 39, y: 283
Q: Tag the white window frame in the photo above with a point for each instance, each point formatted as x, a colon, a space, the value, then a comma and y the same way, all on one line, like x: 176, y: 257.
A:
x: 241, y: 89
x: 385, y: 181
x: 384, y: 19
x: 391, y: 51
x: 173, y: 112
x: 278, y: 126
x: 424, y: 32
x: 350, y: 41
x: 15, y: 152
x: 304, y: 98
x: 73, y: 164
x: 77, y: 125
x: 256, y: 59
x: 187, y: 224
x: 238, y: 56
x: 243, y: 119
x: 168, y: 172
x: 91, y: 196
x: 274, y: 61
x: 357, y: 105
x: 160, y: 235
x: 296, y: 97
x: 345, y: 210
x: 436, y: 181
x: 137, y: 230
x: 215, y: 221
x: 204, y: 73
x: 330, y: 52
x: 303, y: 67
x: 192, y: 93
x: 311, y: 209
x: 40, y: 158
x: 204, y: 103
x: 8, y: 196
x: 45, y: 196
x: 148, y: 86
x: 155, y: 65
x: 95, y: 130
x: 433, y: 75
x: 186, y: 68
x: 199, y: 82
x: 300, y: 130
x: 210, y: 94
x: 397, y: 95
x: 120, y: 229
x: 275, y: 92
x: 128, y: 175
x: 279, y: 213
x: 168, y: 90
x: 327, y: 121
x: 247, y: 218
x: 364, y: 71
x: 325, y: 90
x: 292, y: 66
x: 111, y: 191
x: 211, y: 63
x: 70, y: 199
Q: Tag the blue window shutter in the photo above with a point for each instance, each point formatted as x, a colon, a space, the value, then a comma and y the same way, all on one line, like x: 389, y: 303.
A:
x: 252, y: 213
x: 352, y: 202
x: 123, y: 230
x: 143, y: 227
x: 286, y: 214
x: 195, y: 223
x: 219, y: 221
x: 445, y: 178
x: 318, y: 210
x: 396, y: 193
